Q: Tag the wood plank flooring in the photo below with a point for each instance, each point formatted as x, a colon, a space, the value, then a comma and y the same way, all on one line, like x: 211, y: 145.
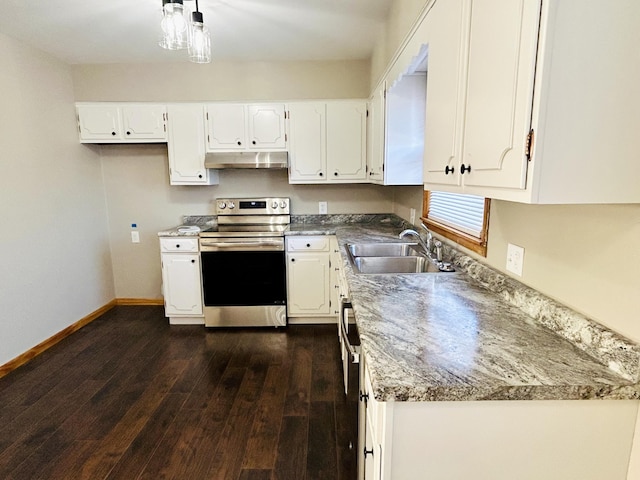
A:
x: 131, y: 397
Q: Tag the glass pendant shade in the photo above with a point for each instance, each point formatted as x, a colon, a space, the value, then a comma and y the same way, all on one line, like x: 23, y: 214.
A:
x: 199, y: 41
x: 175, y: 28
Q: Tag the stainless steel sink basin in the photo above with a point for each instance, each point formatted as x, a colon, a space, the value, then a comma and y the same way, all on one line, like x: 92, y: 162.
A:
x: 384, y: 249
x: 406, y: 264
x: 393, y: 257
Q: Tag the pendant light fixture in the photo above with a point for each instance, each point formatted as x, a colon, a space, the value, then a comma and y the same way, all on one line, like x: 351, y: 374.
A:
x: 199, y: 39
x: 175, y: 28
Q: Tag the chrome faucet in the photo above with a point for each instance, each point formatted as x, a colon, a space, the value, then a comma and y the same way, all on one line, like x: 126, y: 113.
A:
x: 437, y: 245
x: 413, y: 233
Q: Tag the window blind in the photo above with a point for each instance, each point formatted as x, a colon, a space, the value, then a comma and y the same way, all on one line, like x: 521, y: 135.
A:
x: 462, y: 212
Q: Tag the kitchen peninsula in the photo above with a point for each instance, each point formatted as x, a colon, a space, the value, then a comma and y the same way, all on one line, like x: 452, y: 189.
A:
x: 477, y: 364
x: 442, y: 352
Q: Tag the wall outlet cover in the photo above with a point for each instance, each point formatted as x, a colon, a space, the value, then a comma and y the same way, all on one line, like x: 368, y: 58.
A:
x: 322, y: 208
x: 515, y: 259
x: 135, y: 236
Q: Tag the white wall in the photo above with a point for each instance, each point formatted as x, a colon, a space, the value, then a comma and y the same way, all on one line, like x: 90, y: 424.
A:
x: 586, y: 256
x: 138, y: 191
x: 136, y: 177
x: 401, y: 18
x: 56, y: 264
x: 243, y: 81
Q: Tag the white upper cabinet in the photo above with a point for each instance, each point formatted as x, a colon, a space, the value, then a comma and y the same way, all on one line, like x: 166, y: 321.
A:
x: 395, y: 130
x: 307, y: 145
x: 502, y: 56
x: 121, y: 123
x: 479, y: 92
x: 186, y: 146
x: 376, y: 134
x: 346, y: 140
x: 533, y: 101
x: 245, y: 127
x: 404, y: 132
x: 328, y: 141
x: 445, y: 92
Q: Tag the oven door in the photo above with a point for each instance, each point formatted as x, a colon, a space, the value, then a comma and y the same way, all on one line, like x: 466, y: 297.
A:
x: 244, y: 282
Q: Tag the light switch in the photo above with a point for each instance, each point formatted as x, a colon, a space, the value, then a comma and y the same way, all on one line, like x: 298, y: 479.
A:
x: 135, y: 236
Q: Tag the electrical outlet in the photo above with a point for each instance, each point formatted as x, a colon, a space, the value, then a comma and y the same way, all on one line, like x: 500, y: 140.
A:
x: 135, y: 236
x: 322, y: 208
x: 515, y: 259
x: 412, y: 216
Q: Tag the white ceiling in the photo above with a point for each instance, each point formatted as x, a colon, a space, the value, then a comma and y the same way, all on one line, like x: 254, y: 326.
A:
x: 127, y: 31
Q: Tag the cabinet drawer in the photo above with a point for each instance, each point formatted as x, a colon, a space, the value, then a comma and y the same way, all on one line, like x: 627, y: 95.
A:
x: 308, y: 244
x: 179, y: 244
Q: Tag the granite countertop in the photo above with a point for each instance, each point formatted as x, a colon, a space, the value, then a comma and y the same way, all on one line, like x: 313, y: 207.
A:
x: 200, y: 221
x: 476, y: 334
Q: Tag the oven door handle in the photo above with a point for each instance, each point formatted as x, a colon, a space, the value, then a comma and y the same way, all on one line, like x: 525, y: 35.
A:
x: 353, y: 351
x: 228, y: 245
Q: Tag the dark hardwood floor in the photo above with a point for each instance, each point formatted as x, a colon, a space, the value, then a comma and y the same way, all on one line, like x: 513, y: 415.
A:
x: 130, y: 397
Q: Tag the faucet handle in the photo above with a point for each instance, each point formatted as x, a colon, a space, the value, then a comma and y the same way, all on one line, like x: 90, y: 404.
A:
x: 438, y: 245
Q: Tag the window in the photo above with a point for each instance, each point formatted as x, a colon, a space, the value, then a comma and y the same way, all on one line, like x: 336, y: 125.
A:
x: 461, y: 218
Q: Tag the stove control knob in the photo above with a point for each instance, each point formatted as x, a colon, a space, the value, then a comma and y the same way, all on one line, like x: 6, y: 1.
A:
x: 274, y: 204
x: 221, y: 205
x: 232, y: 205
x: 283, y: 204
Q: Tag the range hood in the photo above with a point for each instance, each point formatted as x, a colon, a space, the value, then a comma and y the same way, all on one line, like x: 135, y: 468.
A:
x: 247, y: 160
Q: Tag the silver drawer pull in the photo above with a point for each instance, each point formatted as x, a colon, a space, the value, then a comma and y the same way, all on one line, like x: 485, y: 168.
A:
x: 355, y: 354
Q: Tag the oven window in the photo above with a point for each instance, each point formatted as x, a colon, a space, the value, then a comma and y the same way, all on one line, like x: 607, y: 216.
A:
x: 243, y: 278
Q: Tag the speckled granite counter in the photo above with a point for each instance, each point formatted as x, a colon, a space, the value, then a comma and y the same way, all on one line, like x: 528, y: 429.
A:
x: 475, y: 334
x: 201, y: 221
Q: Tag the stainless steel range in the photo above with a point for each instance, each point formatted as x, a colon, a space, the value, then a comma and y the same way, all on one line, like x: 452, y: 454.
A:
x: 243, y: 263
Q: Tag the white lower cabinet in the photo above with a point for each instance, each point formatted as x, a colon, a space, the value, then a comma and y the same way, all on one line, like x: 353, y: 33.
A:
x: 497, y: 440
x: 310, y: 292
x: 181, y: 280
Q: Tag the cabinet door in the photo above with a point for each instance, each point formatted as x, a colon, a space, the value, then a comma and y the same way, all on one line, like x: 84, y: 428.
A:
x: 308, y: 284
x: 375, y: 135
x: 98, y: 122
x: 447, y: 26
x: 334, y: 276
x: 186, y: 146
x: 226, y: 125
x: 266, y: 127
x: 144, y: 122
x: 502, y: 56
x: 404, y: 145
x: 307, y: 144
x: 181, y: 284
x: 346, y: 140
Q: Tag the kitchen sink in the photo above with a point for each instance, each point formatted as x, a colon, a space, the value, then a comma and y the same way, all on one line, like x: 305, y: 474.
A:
x: 381, y: 249
x: 415, y: 264
x: 393, y: 257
